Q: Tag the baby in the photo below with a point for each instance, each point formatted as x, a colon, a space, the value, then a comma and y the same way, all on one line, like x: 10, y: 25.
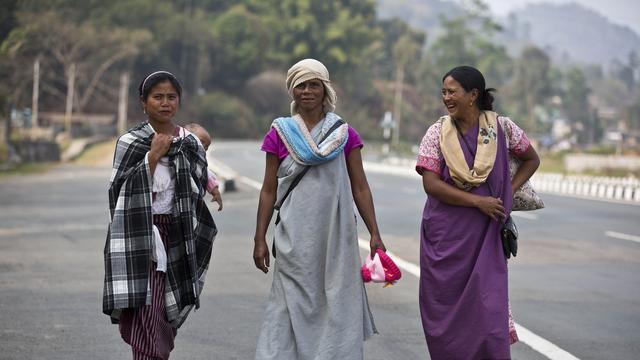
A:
x: 212, y: 183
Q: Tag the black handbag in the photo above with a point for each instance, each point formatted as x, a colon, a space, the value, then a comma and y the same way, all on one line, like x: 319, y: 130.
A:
x: 509, y: 235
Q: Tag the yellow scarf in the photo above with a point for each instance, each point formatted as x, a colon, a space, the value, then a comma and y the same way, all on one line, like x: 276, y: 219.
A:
x: 464, y: 177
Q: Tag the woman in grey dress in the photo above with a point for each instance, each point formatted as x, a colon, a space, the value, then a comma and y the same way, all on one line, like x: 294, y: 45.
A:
x: 318, y: 306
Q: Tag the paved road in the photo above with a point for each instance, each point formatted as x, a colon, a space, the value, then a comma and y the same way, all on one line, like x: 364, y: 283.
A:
x: 571, y: 284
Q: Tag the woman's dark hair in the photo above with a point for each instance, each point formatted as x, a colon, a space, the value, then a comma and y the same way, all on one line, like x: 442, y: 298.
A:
x: 471, y: 78
x: 154, y: 79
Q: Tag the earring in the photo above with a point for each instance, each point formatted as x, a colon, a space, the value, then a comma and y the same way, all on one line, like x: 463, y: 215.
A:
x: 144, y: 111
x: 471, y: 103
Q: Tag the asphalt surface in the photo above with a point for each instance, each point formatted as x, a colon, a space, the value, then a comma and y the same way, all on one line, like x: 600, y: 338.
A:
x: 570, y: 284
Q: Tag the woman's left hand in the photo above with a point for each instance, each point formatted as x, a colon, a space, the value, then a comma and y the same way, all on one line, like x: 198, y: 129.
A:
x: 376, y: 243
x: 261, y: 255
x: 216, y: 197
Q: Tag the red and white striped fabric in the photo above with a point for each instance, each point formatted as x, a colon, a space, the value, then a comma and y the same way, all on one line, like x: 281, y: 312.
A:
x: 146, y: 328
x: 513, y: 335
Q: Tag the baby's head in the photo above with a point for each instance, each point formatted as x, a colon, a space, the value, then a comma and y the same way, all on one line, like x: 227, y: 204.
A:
x: 201, y: 133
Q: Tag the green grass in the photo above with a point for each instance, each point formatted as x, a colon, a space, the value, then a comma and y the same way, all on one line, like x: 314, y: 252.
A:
x: 611, y: 172
x: 4, y: 152
x: 552, y: 163
x: 27, y: 169
x: 555, y: 163
x: 97, y: 154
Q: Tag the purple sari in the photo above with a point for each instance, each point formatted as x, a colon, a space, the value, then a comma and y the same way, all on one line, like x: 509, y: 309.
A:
x: 463, y: 277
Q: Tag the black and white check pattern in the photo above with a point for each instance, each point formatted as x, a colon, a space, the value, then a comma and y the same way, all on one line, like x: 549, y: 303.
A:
x: 128, y: 246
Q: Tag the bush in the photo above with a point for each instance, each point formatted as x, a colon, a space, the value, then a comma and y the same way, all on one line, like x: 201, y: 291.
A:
x: 222, y: 115
x: 267, y: 94
x: 601, y: 150
x: 4, y: 153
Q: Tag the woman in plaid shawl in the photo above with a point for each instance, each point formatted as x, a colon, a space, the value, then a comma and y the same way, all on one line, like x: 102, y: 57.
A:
x: 161, y: 232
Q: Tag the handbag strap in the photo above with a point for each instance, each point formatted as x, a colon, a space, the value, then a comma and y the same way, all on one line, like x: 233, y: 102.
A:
x: 298, y: 177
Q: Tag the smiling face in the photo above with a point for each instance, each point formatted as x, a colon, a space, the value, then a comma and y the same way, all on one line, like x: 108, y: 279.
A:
x: 309, y: 95
x: 162, y: 102
x: 456, y: 99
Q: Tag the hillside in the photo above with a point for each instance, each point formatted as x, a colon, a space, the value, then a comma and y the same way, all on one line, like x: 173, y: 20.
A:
x: 422, y: 14
x: 573, y: 32
x: 568, y: 32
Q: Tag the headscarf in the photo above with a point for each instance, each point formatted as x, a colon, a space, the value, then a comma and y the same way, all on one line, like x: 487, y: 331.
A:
x: 309, y: 69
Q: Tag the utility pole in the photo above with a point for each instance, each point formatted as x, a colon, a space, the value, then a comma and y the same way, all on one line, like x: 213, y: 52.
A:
x: 122, y: 102
x: 7, y: 125
x: 386, y: 124
x: 70, y: 84
x: 185, y: 70
x: 397, y: 106
x: 36, y: 86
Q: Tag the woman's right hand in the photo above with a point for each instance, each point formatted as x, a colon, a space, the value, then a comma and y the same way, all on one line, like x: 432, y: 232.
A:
x: 261, y: 255
x: 160, y: 145
x: 491, y: 206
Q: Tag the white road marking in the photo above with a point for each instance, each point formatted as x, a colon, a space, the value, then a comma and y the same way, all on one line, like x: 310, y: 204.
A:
x: 537, y: 343
x: 524, y: 215
x: 622, y: 236
x: 410, y: 191
x: 250, y: 182
x: 542, y: 345
x: 408, y: 172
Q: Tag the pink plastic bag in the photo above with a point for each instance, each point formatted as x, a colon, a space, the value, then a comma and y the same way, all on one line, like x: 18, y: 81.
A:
x: 380, y: 269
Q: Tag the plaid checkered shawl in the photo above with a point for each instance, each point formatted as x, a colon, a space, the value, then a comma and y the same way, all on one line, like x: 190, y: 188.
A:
x: 128, y: 247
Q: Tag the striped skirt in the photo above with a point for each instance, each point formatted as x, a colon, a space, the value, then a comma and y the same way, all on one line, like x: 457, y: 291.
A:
x: 146, y: 328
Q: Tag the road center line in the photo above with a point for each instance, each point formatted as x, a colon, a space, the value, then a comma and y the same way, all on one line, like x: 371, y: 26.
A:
x: 536, y: 342
x: 524, y: 215
x: 622, y: 236
x: 250, y: 182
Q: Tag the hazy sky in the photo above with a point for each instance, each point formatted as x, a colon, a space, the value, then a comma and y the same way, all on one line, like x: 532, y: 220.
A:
x: 623, y: 12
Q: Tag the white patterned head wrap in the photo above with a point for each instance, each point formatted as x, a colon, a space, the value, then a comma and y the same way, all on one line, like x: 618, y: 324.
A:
x: 309, y: 69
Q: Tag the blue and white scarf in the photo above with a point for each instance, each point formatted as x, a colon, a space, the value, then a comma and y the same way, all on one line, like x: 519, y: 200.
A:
x: 301, y: 145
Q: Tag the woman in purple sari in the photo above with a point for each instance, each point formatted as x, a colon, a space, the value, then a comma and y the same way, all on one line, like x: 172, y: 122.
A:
x: 463, y: 161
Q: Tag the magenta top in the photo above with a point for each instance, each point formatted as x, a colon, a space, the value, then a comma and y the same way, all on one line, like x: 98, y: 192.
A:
x: 274, y: 145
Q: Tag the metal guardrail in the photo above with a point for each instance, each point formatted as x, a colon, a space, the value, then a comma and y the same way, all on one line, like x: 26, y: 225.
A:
x: 624, y: 189
x: 612, y: 188
x: 599, y: 187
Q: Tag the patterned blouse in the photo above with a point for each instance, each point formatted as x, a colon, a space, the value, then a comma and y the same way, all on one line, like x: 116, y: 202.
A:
x: 430, y: 157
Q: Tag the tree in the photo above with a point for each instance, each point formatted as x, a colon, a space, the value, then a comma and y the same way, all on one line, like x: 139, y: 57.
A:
x: 242, y: 40
x: 7, y: 96
x: 576, y: 105
x: 531, y: 85
x: 339, y: 33
x: 406, y: 53
x: 61, y: 43
x: 469, y: 40
x: 384, y: 58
